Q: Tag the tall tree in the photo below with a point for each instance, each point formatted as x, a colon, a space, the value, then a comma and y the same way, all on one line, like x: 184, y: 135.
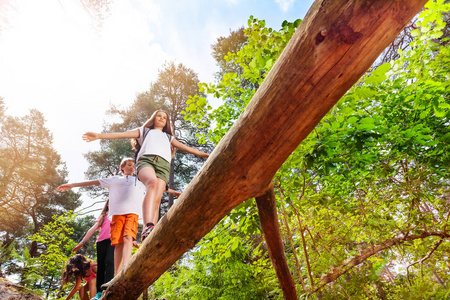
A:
x: 30, y: 170
x: 223, y: 47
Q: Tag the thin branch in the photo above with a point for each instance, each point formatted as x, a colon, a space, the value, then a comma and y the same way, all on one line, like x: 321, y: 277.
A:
x: 423, y: 259
x: 338, y: 271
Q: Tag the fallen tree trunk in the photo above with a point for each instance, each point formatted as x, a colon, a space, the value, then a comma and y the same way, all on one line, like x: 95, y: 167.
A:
x: 332, y: 48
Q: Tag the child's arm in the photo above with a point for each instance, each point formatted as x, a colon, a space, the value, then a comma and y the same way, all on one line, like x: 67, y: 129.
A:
x: 68, y: 186
x: 92, y: 136
x: 88, y: 235
x: 74, y: 289
x: 173, y: 192
x: 188, y: 149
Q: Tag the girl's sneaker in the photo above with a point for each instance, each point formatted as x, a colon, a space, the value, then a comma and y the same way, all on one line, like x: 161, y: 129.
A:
x: 97, y: 296
x: 146, y: 231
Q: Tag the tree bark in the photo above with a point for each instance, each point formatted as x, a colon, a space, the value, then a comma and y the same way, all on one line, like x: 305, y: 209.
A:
x: 267, y: 211
x: 332, y: 48
x: 171, y: 180
x: 9, y: 290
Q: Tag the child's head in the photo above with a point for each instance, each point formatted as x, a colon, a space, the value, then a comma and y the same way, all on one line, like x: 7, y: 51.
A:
x: 76, y: 266
x: 105, y: 208
x: 127, y: 166
x: 151, y: 122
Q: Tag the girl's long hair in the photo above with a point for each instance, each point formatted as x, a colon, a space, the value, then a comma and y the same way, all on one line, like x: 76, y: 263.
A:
x: 104, y: 213
x: 76, y: 266
x: 150, y: 123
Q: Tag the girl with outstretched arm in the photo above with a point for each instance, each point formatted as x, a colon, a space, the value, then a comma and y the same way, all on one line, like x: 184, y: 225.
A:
x: 154, y: 142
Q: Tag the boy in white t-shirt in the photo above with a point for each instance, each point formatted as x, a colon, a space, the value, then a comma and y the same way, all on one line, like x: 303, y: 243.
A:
x: 126, y: 194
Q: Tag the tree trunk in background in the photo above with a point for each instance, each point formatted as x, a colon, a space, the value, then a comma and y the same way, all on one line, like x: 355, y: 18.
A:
x: 170, y: 183
x: 267, y: 211
x: 332, y: 48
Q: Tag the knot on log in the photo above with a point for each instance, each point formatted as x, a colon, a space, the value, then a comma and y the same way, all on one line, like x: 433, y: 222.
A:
x: 346, y: 34
x: 320, y: 37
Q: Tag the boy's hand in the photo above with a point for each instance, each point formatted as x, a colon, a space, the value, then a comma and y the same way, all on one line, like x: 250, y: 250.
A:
x: 135, y: 245
x: 90, y: 136
x: 64, y: 187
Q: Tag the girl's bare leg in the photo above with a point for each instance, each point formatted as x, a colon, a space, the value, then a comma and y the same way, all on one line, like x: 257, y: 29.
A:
x: 159, y: 192
x: 83, y: 292
x: 155, y: 188
x: 92, y: 288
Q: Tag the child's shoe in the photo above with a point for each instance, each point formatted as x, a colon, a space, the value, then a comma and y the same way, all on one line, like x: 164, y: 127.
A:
x: 146, y: 231
x: 105, y: 285
x: 97, y: 296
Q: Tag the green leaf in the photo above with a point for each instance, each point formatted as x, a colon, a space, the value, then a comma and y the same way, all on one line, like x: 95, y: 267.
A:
x: 438, y: 112
x: 379, y: 74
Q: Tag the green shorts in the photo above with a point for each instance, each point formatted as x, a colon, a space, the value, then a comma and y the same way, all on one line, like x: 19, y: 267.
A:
x: 159, y: 164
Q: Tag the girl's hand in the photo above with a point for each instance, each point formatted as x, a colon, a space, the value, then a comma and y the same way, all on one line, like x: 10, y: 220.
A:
x: 64, y: 187
x: 188, y: 149
x: 135, y: 245
x: 78, y: 247
x: 90, y: 136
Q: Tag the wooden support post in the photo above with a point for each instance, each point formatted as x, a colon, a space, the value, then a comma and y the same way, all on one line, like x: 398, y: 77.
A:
x: 267, y: 211
x: 332, y: 48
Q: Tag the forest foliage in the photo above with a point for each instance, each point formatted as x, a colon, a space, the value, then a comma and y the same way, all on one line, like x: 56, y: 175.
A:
x: 363, y: 202
x: 30, y: 171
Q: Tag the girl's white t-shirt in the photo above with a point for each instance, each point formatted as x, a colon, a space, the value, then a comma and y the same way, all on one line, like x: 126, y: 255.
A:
x: 155, y: 143
x: 126, y: 194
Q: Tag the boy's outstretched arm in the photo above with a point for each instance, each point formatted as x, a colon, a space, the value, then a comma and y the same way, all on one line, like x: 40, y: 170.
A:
x: 68, y: 186
x: 92, y: 136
